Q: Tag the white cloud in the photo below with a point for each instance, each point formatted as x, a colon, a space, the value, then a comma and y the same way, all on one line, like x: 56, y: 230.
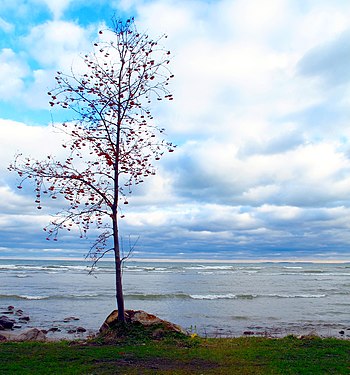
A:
x: 262, y: 161
x: 56, y: 44
x: 34, y: 141
x: 254, y: 19
x: 319, y: 22
x: 57, y: 7
x: 13, y: 70
x: 35, y: 96
x: 6, y: 26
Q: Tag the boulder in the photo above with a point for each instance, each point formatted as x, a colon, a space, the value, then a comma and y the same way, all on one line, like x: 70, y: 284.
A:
x: 142, y: 318
x: 6, y: 322
x: 3, y: 338
x: 33, y: 334
x: 81, y: 329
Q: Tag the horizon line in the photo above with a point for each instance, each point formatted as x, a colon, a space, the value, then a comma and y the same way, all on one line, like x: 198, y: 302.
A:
x: 186, y: 260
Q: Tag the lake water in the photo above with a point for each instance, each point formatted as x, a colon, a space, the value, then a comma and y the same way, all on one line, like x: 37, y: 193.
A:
x: 218, y: 299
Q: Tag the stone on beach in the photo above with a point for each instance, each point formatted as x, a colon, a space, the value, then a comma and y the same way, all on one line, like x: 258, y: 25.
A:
x: 33, y: 334
x: 140, y: 317
x: 54, y: 329
x: 6, y: 322
x: 3, y: 338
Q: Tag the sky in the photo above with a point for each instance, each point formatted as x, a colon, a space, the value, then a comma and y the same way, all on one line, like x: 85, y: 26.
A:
x: 261, y: 117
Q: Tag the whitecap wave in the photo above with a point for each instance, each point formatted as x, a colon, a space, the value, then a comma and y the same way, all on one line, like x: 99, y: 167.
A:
x: 213, y: 296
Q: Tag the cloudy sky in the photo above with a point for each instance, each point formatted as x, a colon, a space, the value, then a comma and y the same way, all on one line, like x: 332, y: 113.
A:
x: 261, y: 117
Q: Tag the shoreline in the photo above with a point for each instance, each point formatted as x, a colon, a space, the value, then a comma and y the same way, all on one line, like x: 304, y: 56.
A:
x: 306, y: 330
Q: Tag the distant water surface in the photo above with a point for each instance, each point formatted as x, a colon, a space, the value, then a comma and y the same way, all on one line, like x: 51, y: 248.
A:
x: 210, y: 299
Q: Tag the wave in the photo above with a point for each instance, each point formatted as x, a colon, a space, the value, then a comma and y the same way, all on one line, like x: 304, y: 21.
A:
x: 219, y: 268
x: 46, y: 297
x: 222, y: 296
x: 148, y: 269
x: 47, y: 268
x: 297, y: 295
x: 142, y: 297
x: 27, y: 297
x: 252, y: 296
x: 152, y: 297
x: 185, y: 296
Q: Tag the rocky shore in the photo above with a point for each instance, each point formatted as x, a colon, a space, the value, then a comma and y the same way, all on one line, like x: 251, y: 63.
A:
x: 15, y: 325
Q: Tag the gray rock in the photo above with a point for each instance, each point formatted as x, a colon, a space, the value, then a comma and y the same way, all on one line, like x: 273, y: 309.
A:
x: 33, y: 334
x: 6, y: 322
x: 140, y: 317
x: 3, y: 338
x: 54, y: 329
x: 81, y: 329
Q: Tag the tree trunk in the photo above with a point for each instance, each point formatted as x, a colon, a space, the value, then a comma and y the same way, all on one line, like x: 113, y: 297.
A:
x: 118, y: 274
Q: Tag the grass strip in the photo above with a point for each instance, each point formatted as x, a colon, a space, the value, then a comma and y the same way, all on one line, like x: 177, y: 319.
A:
x: 175, y: 355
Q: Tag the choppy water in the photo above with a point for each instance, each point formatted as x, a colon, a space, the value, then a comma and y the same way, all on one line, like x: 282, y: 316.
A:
x: 210, y: 299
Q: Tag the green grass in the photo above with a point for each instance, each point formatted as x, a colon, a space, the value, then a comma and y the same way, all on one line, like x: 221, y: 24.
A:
x: 176, y: 355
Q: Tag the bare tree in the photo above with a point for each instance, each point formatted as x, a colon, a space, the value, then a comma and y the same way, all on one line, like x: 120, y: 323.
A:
x: 112, y: 138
